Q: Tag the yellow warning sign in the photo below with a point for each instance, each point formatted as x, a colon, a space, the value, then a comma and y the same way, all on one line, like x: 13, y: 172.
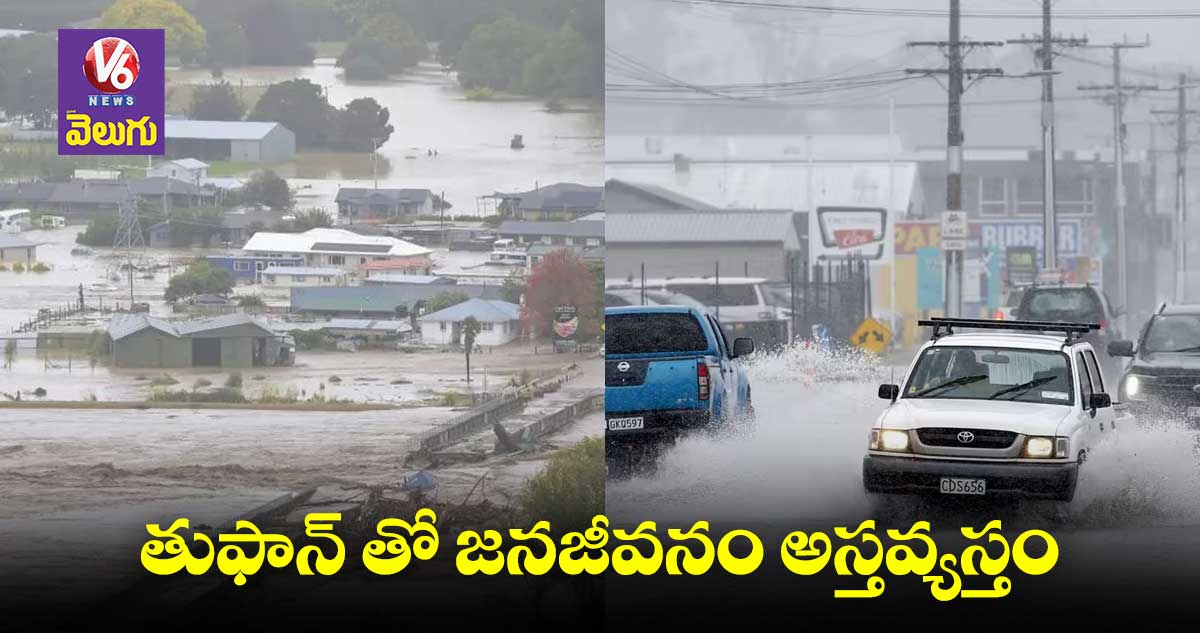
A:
x: 871, y: 336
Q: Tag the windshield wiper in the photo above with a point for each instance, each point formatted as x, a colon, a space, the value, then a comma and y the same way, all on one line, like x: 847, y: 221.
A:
x: 1195, y: 348
x: 957, y: 382
x: 1021, y: 388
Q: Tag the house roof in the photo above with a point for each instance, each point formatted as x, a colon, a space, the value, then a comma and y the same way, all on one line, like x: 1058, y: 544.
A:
x: 661, y: 195
x: 158, y: 185
x: 484, y: 311
x: 336, y: 241
x: 401, y: 278
x: 8, y: 240
x: 562, y: 195
x: 302, y: 271
x: 219, y: 130
x: 123, y: 325
x: 378, y: 297
x: 92, y: 192
x: 188, y: 163
x: 577, y: 228
x: 365, y: 195
x: 703, y: 227
x: 369, y: 325
x: 26, y: 192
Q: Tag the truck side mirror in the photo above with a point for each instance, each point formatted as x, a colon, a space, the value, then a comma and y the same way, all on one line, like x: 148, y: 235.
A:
x: 1100, y: 401
x: 1121, y: 348
x: 743, y: 346
x: 889, y: 392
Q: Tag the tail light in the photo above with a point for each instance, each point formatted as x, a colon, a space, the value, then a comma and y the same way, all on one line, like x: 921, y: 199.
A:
x: 702, y: 379
x: 999, y: 315
x: 1102, y: 323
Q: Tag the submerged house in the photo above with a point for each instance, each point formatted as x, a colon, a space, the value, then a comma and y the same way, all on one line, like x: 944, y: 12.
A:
x: 233, y: 341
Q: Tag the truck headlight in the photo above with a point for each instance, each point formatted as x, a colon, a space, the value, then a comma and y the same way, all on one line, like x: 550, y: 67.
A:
x: 890, y: 440
x: 1039, y: 447
x: 1046, y: 447
x: 1134, y: 387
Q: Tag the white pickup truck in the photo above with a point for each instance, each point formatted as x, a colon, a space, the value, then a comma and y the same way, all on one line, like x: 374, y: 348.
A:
x: 1014, y: 410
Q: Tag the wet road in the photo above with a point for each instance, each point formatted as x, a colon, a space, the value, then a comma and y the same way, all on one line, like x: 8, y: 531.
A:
x: 802, y: 465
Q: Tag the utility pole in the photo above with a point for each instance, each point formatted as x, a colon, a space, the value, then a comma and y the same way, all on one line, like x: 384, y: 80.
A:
x: 1181, y: 114
x: 1045, y: 53
x: 1118, y: 90
x: 953, y: 49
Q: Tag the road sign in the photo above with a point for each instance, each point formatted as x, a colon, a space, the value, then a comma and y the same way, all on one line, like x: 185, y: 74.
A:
x: 954, y: 225
x: 871, y: 336
x: 954, y: 230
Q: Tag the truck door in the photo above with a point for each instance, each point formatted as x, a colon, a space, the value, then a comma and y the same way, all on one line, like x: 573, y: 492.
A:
x: 1106, y: 416
x: 729, y: 380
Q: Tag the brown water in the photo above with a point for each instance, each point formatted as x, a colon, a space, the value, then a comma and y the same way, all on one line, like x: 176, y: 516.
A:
x: 429, y: 111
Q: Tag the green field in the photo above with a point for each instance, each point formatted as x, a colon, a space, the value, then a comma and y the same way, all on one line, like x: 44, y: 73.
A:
x: 179, y: 96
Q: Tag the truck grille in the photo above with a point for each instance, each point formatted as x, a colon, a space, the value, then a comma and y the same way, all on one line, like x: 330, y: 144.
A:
x: 982, y: 438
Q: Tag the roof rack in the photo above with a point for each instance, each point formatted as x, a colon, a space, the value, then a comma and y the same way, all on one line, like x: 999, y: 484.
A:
x: 1070, y: 329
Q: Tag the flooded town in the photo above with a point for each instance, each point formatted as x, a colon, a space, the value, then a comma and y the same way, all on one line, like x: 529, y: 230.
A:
x: 366, y: 270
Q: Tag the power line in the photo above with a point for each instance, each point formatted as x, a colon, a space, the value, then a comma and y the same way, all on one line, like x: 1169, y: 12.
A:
x: 1089, y: 14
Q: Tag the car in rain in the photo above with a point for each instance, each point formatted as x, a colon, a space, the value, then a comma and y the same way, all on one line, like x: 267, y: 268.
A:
x: 1013, y: 410
x: 617, y: 297
x: 669, y: 370
x: 1163, y: 376
x: 1074, y: 303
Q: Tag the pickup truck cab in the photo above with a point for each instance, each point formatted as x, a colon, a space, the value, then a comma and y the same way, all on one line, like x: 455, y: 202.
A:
x: 1013, y: 411
x: 667, y: 370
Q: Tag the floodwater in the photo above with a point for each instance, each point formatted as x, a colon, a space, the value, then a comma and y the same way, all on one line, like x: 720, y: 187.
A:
x: 429, y: 112
x: 23, y: 294
x: 803, y: 463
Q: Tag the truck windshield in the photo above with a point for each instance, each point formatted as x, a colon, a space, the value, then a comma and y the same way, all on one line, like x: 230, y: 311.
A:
x: 986, y: 373
x: 725, y: 295
x: 1062, y: 304
x: 1173, y: 333
x: 648, y: 333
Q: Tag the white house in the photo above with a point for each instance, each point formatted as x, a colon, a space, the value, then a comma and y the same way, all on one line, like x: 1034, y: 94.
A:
x: 189, y: 169
x: 499, y: 322
x: 302, y: 277
x: 337, y: 248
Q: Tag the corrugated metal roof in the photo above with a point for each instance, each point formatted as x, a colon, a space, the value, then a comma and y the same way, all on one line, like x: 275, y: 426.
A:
x: 379, y: 297
x: 669, y: 198
x: 401, y: 278
x: 219, y: 130
x: 7, y: 240
x: 725, y: 226
x: 189, y: 163
x: 363, y: 194
x: 484, y: 311
x: 577, y: 228
x: 303, y: 271
x: 186, y: 328
x: 369, y: 324
x: 123, y: 325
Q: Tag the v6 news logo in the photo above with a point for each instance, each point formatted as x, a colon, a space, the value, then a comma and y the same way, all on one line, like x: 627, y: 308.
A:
x: 111, y: 65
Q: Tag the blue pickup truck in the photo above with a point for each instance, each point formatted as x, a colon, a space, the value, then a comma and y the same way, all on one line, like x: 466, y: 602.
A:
x: 667, y: 370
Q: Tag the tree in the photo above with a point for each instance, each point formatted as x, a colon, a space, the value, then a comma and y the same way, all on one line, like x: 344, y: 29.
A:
x: 309, y: 219
x: 513, y: 288
x: 29, y: 77
x: 384, y: 45
x: 200, y: 277
x: 101, y: 231
x: 186, y: 39
x: 444, y: 299
x: 495, y: 54
x: 470, y: 329
x: 268, y: 189
x: 299, y: 105
x: 363, y: 124
x: 216, y: 102
x: 559, y: 279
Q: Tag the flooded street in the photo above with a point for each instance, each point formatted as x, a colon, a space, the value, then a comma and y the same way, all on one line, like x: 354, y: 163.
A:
x: 803, y: 464
x: 429, y: 111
